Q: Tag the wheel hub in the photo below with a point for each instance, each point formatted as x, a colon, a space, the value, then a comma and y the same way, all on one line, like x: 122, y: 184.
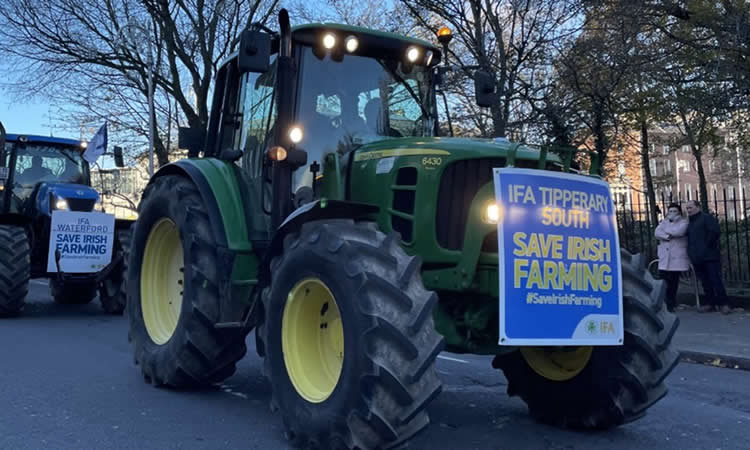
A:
x: 312, y: 340
x: 557, y: 363
x: 162, y: 281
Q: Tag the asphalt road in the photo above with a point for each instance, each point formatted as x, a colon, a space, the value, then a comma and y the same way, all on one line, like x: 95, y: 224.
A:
x: 68, y: 382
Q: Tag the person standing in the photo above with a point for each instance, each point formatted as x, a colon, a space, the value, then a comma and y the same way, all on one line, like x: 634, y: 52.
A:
x: 705, y: 254
x: 673, y: 255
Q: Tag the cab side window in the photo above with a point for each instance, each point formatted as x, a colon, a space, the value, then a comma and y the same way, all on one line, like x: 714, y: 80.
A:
x: 258, y: 118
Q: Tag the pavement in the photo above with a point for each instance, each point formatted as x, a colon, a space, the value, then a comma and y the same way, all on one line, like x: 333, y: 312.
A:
x: 714, y: 338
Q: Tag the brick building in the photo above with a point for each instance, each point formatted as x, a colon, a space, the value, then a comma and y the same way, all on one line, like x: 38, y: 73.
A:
x: 675, y: 172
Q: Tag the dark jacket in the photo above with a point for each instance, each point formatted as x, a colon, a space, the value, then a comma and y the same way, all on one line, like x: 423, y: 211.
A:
x: 703, y: 238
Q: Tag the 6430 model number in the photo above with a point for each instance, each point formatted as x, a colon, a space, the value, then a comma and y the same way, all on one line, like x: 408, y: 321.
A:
x: 432, y: 161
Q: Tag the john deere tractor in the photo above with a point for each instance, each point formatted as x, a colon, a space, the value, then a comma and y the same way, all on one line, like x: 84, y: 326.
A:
x: 52, y: 226
x: 320, y: 209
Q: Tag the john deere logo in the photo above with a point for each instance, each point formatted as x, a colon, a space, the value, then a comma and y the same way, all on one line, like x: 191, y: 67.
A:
x: 591, y: 327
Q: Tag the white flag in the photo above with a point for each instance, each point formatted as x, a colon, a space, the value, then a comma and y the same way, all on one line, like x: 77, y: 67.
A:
x: 98, y: 145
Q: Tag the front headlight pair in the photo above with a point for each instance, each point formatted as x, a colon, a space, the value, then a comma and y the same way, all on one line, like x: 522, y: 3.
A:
x: 62, y: 205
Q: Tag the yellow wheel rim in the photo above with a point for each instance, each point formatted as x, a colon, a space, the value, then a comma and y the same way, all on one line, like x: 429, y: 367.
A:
x: 162, y: 281
x: 556, y: 363
x: 312, y: 340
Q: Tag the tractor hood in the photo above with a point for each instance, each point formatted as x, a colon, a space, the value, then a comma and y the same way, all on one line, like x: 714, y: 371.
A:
x: 453, y: 148
x: 78, y: 196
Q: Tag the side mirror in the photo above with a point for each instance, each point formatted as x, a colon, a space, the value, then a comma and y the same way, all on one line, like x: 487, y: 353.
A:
x: 119, y: 161
x: 484, y: 88
x: 190, y: 139
x: 255, y: 52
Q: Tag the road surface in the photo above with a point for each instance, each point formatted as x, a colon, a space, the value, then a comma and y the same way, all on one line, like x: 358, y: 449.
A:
x: 69, y: 382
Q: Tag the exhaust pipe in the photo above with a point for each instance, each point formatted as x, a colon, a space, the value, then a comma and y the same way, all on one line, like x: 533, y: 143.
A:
x: 285, y: 29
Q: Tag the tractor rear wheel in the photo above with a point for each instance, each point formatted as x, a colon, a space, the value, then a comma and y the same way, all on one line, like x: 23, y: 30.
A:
x: 113, y: 290
x: 15, y: 269
x: 602, y: 387
x: 348, y: 338
x: 173, y: 301
x: 72, y: 293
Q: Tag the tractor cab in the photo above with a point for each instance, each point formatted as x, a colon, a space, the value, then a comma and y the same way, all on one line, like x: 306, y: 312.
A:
x: 45, y: 174
x: 331, y: 89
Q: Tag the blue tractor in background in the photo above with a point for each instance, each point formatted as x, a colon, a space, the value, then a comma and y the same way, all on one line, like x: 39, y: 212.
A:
x: 52, y: 225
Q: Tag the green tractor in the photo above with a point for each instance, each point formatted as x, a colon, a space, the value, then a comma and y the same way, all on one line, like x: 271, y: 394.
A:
x: 320, y: 209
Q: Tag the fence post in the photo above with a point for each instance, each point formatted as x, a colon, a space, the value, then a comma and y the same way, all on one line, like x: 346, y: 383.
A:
x: 747, y: 232
x: 737, y: 235
x: 726, y: 234
x: 649, y: 237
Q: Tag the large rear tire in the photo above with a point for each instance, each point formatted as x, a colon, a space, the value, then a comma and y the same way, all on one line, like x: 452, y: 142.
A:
x: 15, y: 269
x: 173, y: 301
x: 602, y: 387
x: 348, y: 338
x: 113, y: 292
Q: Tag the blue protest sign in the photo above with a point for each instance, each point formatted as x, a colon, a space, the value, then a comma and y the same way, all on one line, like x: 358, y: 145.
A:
x: 560, y: 276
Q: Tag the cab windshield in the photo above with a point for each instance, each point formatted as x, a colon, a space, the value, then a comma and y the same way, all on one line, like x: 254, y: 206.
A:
x: 48, y: 163
x: 341, y: 105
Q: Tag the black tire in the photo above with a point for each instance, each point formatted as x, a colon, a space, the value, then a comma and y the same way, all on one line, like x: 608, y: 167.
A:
x: 388, y: 375
x: 15, y: 269
x: 72, y: 293
x: 113, y: 290
x: 197, y: 354
x: 619, y: 383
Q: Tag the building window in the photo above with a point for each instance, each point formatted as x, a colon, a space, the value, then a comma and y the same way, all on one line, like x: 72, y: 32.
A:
x: 685, y: 149
x: 668, y: 167
x: 688, y: 191
x: 712, y: 166
x: 652, y: 166
x: 665, y: 149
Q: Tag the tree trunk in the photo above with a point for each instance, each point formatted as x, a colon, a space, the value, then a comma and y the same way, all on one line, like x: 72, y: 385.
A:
x: 600, y: 138
x: 646, y: 165
x: 701, y: 178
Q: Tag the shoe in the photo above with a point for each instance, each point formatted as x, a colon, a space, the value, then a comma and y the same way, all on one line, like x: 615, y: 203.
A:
x: 706, y: 308
x: 725, y: 309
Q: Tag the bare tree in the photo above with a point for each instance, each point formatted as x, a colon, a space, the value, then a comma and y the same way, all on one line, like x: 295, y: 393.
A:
x: 77, y: 51
x: 508, y: 39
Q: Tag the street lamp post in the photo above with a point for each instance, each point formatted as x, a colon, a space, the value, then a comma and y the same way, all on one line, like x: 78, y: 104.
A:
x: 150, y: 85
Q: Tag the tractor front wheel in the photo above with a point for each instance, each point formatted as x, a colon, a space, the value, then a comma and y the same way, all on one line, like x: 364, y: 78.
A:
x: 113, y: 290
x: 602, y: 387
x: 15, y: 269
x: 173, y: 299
x: 348, y: 338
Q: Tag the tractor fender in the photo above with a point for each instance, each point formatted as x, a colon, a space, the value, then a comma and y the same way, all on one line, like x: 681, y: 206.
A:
x: 315, y: 210
x: 222, y: 189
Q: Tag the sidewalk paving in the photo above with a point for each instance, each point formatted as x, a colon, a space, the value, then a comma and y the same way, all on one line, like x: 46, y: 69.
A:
x: 714, y: 338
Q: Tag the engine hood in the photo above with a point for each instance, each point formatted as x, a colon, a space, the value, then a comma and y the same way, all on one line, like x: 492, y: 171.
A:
x: 82, y: 195
x: 457, y: 148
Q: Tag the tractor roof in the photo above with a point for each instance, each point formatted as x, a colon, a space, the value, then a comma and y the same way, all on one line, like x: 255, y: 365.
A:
x: 362, y: 30
x: 35, y: 139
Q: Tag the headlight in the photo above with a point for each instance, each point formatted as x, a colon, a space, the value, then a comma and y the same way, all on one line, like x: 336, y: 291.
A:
x: 329, y: 41
x: 492, y: 213
x: 61, y: 204
x: 351, y: 44
x: 412, y: 54
x: 295, y: 134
